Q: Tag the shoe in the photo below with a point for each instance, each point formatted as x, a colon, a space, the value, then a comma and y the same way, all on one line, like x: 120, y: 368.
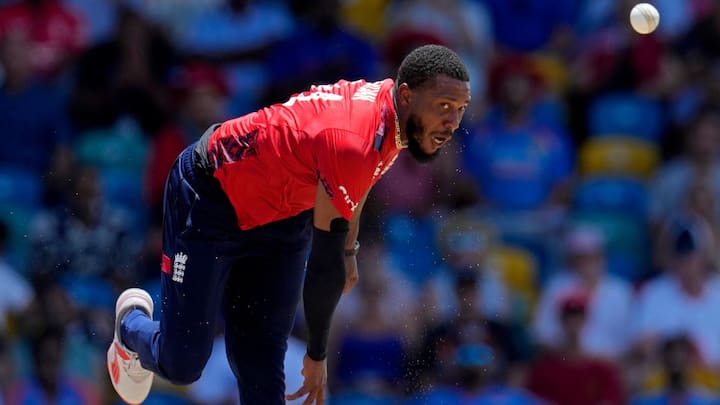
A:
x: 130, y: 380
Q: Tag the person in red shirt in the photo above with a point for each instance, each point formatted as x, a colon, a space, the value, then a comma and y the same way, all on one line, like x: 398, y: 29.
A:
x: 568, y: 376
x: 256, y: 198
x: 56, y: 33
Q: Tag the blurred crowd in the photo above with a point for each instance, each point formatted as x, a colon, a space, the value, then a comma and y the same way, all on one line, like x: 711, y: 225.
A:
x: 563, y: 250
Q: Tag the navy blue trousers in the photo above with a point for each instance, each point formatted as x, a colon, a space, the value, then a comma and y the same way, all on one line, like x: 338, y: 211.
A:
x: 212, y: 270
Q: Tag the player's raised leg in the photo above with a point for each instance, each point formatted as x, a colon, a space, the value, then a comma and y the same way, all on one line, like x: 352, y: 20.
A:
x: 195, y: 265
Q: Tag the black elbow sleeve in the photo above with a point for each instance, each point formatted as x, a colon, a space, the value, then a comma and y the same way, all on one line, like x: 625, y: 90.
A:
x: 324, y: 283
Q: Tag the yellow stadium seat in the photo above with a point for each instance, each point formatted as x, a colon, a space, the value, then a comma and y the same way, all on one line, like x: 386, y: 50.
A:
x: 619, y: 155
x: 554, y: 72
x: 518, y: 269
x: 365, y: 16
x: 700, y: 377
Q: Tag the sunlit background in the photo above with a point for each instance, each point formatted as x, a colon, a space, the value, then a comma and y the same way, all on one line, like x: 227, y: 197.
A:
x: 563, y: 250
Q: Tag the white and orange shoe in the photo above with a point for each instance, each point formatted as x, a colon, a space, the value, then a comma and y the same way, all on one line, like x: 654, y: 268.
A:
x: 130, y: 380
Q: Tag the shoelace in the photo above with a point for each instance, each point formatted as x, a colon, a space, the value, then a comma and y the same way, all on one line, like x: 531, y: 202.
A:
x: 135, y: 370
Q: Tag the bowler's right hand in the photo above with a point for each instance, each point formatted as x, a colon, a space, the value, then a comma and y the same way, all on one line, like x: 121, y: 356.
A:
x: 315, y: 374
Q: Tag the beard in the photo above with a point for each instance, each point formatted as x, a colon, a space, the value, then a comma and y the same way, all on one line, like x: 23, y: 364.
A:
x: 414, y: 132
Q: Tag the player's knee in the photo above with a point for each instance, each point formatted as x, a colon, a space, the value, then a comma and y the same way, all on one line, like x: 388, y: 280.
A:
x: 183, y: 376
x: 181, y: 370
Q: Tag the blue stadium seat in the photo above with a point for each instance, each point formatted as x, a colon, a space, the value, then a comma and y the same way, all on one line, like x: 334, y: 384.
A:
x: 18, y: 219
x: 626, y: 114
x: 122, y: 188
x: 412, y: 246
x: 611, y: 194
x: 353, y: 397
x: 115, y: 147
x: 20, y: 187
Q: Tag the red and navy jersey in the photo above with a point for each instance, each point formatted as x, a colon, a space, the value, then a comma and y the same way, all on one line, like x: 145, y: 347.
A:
x: 270, y: 162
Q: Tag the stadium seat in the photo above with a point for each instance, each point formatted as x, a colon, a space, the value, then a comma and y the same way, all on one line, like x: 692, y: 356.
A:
x: 619, y: 156
x: 627, y: 243
x: 554, y: 72
x: 518, y: 269
x: 112, y: 148
x: 18, y: 219
x: 611, y: 194
x: 20, y: 187
x: 627, y: 114
x: 412, y: 247
x: 122, y: 188
x: 360, y: 397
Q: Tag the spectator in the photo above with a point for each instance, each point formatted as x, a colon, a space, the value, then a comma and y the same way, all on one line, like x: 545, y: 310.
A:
x: 84, y: 243
x: 702, y: 202
x: 609, y: 298
x: 320, y: 51
x: 479, y: 377
x: 52, y: 309
x: 517, y: 159
x: 376, y: 326
x: 521, y: 160
x: 686, y: 298
x: 15, y: 292
x: 236, y: 29
x: 239, y: 34
x: 467, y: 326
x: 33, y: 116
x: 704, y: 35
x: 568, y: 375
x: 464, y: 26
x: 55, y: 33
x: 201, y: 92
x: 531, y: 25
x: 372, y: 347
x: 464, y: 240
x: 126, y: 75
x: 615, y: 58
x: 48, y: 384
x: 699, y: 163
x: 677, y: 356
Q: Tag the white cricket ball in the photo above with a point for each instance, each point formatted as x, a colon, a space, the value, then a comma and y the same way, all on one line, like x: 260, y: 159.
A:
x: 644, y: 18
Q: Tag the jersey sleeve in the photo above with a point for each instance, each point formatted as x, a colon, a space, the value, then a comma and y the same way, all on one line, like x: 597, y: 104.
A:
x: 343, y: 168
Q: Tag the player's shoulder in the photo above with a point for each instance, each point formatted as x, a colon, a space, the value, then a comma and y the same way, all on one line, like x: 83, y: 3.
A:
x: 356, y: 90
x: 358, y: 108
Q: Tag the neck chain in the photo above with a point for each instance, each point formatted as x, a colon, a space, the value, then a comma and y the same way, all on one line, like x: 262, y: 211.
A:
x: 398, y: 140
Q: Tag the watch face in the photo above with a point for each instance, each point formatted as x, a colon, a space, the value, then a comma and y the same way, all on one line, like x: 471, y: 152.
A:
x: 354, y: 250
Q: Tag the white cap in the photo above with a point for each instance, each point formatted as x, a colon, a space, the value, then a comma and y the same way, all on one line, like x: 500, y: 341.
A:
x: 584, y: 239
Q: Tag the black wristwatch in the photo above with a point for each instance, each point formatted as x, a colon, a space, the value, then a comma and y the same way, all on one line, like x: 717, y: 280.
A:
x: 354, y: 251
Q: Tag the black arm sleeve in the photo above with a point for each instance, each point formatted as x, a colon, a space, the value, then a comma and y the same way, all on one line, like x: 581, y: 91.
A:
x: 324, y: 282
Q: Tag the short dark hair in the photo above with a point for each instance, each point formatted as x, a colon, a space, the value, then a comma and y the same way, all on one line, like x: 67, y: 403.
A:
x: 426, y: 62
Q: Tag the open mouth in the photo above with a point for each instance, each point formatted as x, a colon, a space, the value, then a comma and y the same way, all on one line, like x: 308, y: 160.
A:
x: 439, y: 140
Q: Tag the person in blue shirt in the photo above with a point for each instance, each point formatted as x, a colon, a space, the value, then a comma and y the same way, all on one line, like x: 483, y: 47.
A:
x: 520, y: 156
x: 33, y: 119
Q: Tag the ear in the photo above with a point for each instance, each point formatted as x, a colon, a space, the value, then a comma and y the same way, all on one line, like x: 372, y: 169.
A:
x: 404, y: 94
